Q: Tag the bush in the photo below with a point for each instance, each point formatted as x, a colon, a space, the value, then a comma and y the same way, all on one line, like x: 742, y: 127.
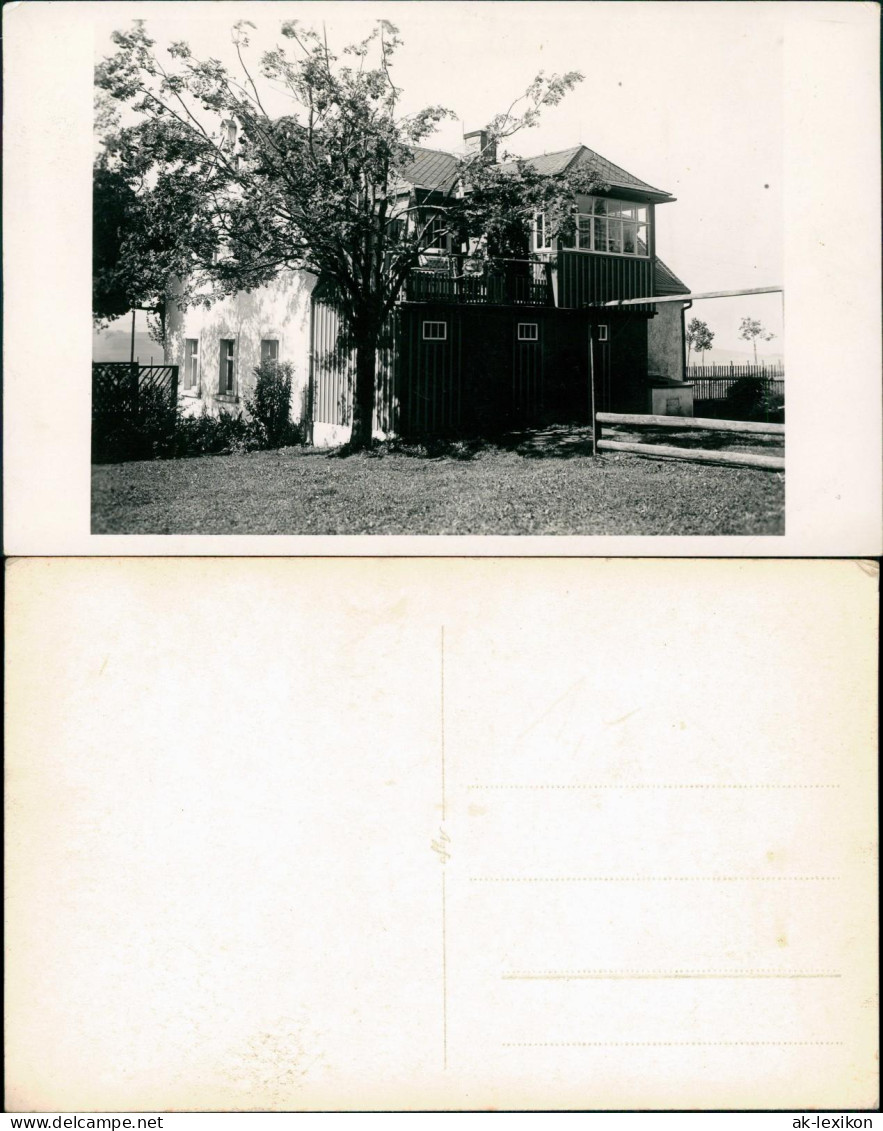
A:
x: 150, y: 425
x: 749, y: 398
x: 140, y: 427
x: 213, y: 435
x: 270, y: 405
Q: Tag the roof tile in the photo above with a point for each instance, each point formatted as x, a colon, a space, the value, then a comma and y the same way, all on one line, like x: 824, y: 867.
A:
x: 435, y: 169
x: 581, y: 155
x: 431, y: 168
x: 666, y: 282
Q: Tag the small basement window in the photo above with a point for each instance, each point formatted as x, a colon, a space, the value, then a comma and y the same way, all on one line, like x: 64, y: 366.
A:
x: 435, y: 331
x: 528, y: 331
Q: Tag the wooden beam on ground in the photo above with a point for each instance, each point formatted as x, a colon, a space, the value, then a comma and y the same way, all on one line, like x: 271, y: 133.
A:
x: 693, y: 297
x: 696, y: 455
x: 684, y: 423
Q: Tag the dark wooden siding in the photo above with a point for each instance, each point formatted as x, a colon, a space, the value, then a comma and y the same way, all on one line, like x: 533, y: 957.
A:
x: 481, y: 379
x: 431, y: 372
x: 626, y: 389
x: 528, y: 371
x: 585, y: 279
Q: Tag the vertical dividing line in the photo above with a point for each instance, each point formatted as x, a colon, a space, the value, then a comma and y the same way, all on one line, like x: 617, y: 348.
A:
x: 592, y: 412
x: 444, y: 975
x: 444, y: 924
x: 442, y: 703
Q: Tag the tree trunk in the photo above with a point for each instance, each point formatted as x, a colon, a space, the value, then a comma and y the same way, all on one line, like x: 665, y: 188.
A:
x: 363, y: 393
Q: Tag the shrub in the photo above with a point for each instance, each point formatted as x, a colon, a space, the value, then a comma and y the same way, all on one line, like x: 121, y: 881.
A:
x: 138, y: 427
x: 749, y: 398
x: 213, y: 435
x: 152, y: 426
x: 270, y: 404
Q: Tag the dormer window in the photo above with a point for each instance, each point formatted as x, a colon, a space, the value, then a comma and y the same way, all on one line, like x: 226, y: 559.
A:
x: 612, y: 227
x: 437, y: 235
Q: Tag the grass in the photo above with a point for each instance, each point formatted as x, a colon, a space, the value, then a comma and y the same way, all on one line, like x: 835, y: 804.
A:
x: 535, y: 483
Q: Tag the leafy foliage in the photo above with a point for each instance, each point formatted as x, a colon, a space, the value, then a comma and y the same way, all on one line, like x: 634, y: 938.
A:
x: 698, y: 336
x: 143, y: 429
x: 270, y: 404
x: 751, y: 329
x: 230, y: 195
x: 157, y: 428
x: 749, y: 398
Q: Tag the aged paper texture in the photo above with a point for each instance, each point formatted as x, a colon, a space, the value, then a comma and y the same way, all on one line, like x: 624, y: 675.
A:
x: 333, y: 834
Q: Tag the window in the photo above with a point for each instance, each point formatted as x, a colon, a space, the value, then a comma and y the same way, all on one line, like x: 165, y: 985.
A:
x: 228, y: 134
x: 528, y: 331
x: 191, y: 363
x: 226, y: 385
x: 602, y: 333
x: 437, y: 235
x: 435, y: 331
x: 615, y: 227
x: 269, y: 350
x: 541, y: 239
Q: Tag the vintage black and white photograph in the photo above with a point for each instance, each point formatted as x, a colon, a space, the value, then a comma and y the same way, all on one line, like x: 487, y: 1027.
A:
x: 438, y: 269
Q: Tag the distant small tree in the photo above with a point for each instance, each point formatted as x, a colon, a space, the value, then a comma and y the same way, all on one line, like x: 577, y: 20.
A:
x: 751, y: 330
x: 699, y: 337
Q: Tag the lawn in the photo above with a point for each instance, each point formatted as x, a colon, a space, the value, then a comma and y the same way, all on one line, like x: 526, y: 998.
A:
x: 542, y: 483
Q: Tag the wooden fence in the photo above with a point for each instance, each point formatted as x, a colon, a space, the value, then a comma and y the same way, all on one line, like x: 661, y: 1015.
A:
x: 518, y: 282
x: 774, y: 371
x: 713, y: 382
x: 133, y: 406
x: 696, y: 455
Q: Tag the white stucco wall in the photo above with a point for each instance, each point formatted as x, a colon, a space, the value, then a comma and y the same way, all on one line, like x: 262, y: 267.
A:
x: 665, y: 341
x: 280, y: 310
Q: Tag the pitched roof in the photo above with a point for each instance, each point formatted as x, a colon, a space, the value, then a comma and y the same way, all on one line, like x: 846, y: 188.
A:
x: 436, y: 169
x: 549, y: 163
x: 432, y: 169
x: 581, y: 156
x: 666, y: 282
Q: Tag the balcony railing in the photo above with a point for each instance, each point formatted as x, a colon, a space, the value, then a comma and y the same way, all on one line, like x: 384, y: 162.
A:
x: 501, y: 282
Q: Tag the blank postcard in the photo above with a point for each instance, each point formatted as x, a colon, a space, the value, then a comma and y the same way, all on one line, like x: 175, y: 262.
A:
x: 447, y: 834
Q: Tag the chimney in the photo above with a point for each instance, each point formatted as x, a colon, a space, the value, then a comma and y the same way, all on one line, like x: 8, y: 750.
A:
x: 478, y: 142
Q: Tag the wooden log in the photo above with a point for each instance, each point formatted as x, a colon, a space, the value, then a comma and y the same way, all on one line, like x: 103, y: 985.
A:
x: 693, y: 297
x: 696, y: 455
x: 684, y: 423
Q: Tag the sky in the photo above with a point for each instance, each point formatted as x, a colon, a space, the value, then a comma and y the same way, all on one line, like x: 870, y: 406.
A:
x: 687, y: 97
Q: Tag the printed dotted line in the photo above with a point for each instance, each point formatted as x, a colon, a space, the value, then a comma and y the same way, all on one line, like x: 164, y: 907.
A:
x: 643, y: 879
x: 650, y: 785
x: 747, y: 973
x: 657, y: 1044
